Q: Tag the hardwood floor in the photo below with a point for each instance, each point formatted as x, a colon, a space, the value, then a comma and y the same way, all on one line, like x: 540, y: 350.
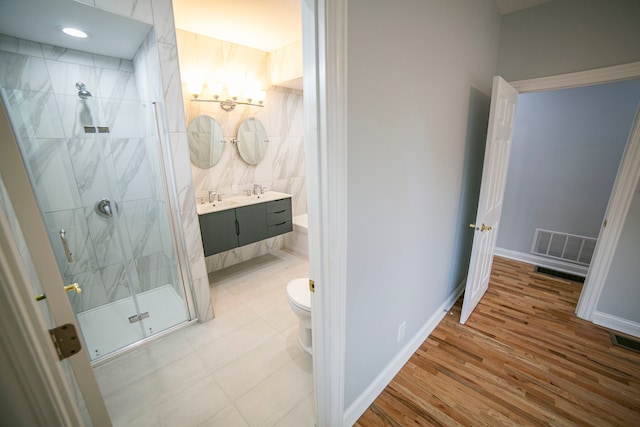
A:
x: 523, y: 358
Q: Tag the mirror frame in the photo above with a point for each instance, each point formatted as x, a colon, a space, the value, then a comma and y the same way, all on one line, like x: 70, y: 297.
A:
x: 206, y: 141
x: 252, y: 140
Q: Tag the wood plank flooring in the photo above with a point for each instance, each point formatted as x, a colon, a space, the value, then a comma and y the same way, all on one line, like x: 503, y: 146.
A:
x: 523, y: 358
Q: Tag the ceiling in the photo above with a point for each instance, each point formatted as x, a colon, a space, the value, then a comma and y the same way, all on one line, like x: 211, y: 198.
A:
x: 266, y: 25
x: 41, y: 20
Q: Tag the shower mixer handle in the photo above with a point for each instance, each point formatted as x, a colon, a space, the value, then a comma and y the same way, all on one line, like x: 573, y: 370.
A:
x: 103, y: 208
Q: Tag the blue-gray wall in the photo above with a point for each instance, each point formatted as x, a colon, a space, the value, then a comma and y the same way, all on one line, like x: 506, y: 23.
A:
x: 565, y: 36
x: 567, y: 146
x: 622, y: 284
x: 412, y: 66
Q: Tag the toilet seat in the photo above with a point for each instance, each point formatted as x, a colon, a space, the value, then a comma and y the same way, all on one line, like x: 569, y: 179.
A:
x: 299, y: 294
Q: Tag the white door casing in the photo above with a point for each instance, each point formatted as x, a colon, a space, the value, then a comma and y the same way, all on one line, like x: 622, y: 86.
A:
x: 504, y: 99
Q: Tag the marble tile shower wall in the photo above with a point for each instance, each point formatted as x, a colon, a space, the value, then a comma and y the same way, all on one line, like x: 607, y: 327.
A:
x: 282, y: 169
x: 72, y: 169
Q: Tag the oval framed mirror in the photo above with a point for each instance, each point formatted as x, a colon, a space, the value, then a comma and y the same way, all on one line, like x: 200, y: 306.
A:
x: 206, y: 142
x: 252, y: 140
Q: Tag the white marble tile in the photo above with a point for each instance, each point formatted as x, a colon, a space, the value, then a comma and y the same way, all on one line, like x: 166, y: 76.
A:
x: 172, y: 92
x: 74, y: 223
x: 139, y: 10
x: 277, y: 395
x: 19, y: 71
x: 182, y: 171
x: 105, y: 241
x: 203, y: 299
x: 163, y: 23
x: 194, y: 404
x: 34, y: 114
x: 116, y: 280
x: 93, y: 291
x: 244, y: 373
x: 302, y: 415
x: 228, y: 348
x: 67, y: 55
x: 118, y: 374
x: 225, y: 323
x: 21, y: 46
x: 116, y: 83
x: 133, y: 170
x: 228, y: 417
x: 89, y: 160
x: 141, y: 218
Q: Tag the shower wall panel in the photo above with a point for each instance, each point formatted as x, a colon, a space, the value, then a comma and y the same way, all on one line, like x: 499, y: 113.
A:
x: 65, y: 162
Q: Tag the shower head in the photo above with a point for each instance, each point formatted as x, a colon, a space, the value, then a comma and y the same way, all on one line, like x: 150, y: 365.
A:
x: 83, y: 93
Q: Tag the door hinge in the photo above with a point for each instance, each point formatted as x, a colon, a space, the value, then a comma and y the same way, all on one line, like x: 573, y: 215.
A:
x: 65, y: 340
x: 312, y: 286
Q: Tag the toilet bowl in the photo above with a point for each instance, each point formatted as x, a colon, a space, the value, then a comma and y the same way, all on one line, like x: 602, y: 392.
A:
x: 299, y: 297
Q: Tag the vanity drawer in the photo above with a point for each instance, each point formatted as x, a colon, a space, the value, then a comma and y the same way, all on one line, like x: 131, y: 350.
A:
x: 281, y: 228
x: 279, y: 205
x: 278, y: 211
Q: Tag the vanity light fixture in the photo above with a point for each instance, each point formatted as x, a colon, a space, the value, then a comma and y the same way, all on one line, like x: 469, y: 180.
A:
x: 230, y: 103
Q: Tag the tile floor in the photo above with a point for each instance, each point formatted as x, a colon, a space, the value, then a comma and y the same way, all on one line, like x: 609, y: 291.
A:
x: 243, y: 368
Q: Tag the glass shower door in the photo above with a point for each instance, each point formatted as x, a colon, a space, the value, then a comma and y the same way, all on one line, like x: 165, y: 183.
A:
x: 97, y: 178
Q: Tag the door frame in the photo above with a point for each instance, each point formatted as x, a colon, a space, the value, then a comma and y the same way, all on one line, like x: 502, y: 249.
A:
x: 623, y: 188
x: 325, y: 135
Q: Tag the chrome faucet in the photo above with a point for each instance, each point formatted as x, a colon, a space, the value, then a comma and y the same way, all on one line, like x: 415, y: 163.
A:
x: 212, y: 196
x: 256, y: 188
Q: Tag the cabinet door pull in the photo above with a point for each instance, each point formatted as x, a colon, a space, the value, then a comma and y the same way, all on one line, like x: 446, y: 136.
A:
x: 283, y: 210
x: 282, y: 223
x: 237, y: 227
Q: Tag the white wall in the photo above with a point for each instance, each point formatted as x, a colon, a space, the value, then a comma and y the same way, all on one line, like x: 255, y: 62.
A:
x: 565, y: 36
x: 567, y: 146
x: 411, y: 65
x: 621, y: 293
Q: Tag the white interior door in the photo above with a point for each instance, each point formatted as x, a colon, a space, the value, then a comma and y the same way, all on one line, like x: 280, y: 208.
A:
x: 56, y: 305
x: 504, y: 98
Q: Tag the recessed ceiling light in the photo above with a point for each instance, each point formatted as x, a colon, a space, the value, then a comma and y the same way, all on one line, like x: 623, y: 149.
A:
x: 74, y: 32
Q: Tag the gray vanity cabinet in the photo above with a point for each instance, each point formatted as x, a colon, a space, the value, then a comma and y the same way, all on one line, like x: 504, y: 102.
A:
x: 240, y: 226
x: 218, y: 231
x: 252, y: 223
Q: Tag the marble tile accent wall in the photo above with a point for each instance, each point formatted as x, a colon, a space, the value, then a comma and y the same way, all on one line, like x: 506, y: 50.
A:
x: 206, y: 60
x: 285, y: 64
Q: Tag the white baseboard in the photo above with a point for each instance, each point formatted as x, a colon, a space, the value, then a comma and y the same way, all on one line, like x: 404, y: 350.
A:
x: 618, y: 324
x: 360, y: 405
x: 565, y: 267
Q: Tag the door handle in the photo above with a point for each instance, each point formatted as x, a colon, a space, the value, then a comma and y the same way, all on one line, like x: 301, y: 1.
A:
x: 65, y: 245
x: 482, y: 228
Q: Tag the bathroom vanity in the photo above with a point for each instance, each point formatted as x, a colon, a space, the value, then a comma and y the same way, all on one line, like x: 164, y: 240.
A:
x: 242, y: 220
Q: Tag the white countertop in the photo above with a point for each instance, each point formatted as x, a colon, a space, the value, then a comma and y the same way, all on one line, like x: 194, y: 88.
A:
x: 239, y: 201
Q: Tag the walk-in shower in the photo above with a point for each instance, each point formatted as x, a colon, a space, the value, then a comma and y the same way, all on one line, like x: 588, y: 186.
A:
x: 96, y: 167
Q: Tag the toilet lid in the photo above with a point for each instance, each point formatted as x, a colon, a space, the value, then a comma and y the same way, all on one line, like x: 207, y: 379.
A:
x: 298, y: 291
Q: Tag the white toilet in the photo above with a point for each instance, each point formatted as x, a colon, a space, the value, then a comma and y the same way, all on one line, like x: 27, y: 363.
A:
x: 299, y: 297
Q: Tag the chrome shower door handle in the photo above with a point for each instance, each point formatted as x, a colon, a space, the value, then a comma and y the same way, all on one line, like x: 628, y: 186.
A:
x: 65, y: 245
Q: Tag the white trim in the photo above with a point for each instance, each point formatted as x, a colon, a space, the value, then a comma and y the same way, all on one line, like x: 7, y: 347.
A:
x: 581, y: 78
x: 360, y: 405
x: 621, y: 196
x: 541, y: 261
x: 325, y: 104
x: 616, y: 323
x: 43, y: 394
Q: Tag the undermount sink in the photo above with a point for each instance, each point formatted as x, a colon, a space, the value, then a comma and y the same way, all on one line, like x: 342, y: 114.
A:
x: 239, y: 201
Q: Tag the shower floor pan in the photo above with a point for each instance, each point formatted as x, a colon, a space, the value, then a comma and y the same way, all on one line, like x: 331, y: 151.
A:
x: 107, y: 328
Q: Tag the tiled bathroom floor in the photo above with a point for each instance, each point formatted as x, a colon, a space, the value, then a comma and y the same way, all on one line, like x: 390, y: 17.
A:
x: 243, y: 368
